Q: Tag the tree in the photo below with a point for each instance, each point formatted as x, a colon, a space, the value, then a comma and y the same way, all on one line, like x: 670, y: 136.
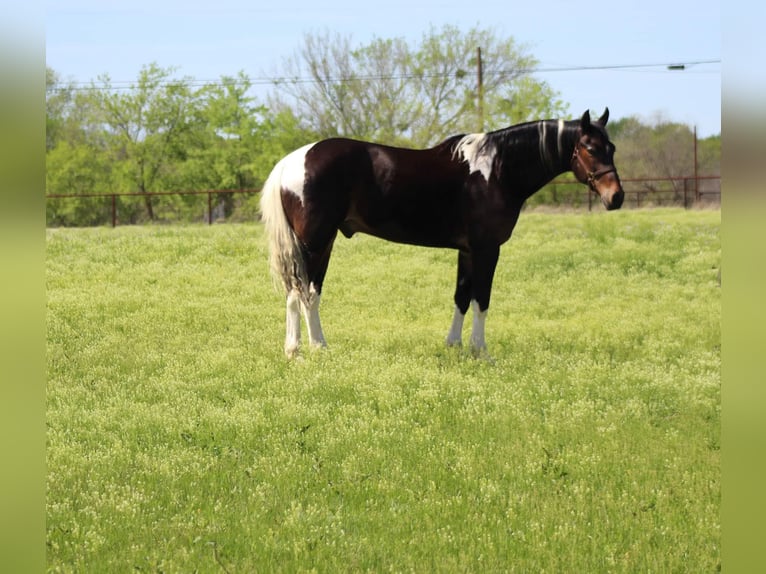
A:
x: 159, y: 135
x: 149, y: 127
x: 709, y: 155
x: 76, y: 160
x: 244, y: 140
x: 447, y: 63
x: 392, y: 92
x: 57, y: 99
x: 233, y: 123
x: 71, y: 115
x: 662, y: 150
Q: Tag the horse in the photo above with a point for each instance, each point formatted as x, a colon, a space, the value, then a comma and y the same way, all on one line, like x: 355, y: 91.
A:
x: 465, y: 193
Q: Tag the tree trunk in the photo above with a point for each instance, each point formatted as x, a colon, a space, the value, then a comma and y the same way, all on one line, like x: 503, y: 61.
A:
x: 148, y: 203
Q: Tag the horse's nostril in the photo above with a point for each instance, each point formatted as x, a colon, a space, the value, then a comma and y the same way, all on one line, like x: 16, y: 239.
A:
x: 617, y: 199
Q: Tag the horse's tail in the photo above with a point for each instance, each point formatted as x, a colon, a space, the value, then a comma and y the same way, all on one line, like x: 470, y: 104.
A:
x: 286, y: 258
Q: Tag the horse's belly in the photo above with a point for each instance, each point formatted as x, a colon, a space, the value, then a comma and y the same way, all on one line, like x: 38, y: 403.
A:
x: 411, y: 235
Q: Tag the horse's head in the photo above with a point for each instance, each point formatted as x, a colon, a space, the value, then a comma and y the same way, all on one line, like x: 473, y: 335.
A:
x: 593, y: 161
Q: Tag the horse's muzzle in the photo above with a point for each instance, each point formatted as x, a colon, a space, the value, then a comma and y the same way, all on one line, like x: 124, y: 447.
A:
x: 614, y: 201
x: 609, y: 189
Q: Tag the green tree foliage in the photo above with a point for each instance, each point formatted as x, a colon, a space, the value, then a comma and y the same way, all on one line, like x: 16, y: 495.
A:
x: 161, y: 134
x: 709, y: 155
x: 58, y: 98
x: 232, y: 130
x: 77, y: 158
x: 243, y: 140
x: 151, y: 128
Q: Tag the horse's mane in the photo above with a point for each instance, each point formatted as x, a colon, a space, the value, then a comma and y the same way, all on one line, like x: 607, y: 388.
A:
x: 550, y: 140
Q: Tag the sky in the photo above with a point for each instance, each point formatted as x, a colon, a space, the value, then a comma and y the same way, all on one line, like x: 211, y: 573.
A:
x: 207, y: 40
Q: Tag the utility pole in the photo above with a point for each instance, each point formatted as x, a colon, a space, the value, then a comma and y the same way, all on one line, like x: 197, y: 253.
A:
x: 480, y: 90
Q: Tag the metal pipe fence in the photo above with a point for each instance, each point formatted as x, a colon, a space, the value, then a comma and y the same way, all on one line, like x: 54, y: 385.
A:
x: 684, y: 192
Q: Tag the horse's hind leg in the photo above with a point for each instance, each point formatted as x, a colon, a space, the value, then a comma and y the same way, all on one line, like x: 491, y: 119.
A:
x: 308, y: 304
x: 293, y: 326
x: 316, y: 267
x: 311, y: 315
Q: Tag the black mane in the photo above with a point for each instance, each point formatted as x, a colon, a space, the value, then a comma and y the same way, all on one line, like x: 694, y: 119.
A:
x: 535, y: 143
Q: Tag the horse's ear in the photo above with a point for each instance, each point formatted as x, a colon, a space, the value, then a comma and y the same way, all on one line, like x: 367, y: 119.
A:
x: 604, y: 117
x: 585, y: 121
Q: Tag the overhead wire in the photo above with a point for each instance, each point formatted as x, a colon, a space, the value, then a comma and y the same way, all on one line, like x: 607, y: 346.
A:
x: 108, y: 85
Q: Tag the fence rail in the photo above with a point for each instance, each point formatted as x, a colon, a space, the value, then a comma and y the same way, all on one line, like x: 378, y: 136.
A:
x: 639, y: 192
x: 686, y: 191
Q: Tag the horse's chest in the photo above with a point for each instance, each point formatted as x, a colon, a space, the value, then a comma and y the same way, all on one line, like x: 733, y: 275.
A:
x: 492, y: 215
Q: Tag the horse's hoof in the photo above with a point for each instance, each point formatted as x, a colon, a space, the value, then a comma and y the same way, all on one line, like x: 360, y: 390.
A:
x: 291, y: 352
x: 481, y: 354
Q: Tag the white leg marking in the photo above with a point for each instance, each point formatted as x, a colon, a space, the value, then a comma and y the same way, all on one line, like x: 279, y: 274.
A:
x: 478, y: 343
x: 455, y: 336
x: 311, y: 314
x: 293, y: 328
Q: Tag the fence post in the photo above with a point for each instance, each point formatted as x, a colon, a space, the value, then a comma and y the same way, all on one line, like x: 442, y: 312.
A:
x: 114, y: 210
x: 210, y: 208
x: 696, y: 167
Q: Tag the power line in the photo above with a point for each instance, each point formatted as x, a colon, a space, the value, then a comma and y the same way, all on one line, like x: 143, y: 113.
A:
x: 281, y: 80
x: 665, y: 65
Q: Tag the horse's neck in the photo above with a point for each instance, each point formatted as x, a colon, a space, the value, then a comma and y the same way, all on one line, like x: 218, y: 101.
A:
x: 545, y: 153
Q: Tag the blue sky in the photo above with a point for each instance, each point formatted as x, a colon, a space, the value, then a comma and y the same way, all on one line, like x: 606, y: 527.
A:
x: 205, y: 40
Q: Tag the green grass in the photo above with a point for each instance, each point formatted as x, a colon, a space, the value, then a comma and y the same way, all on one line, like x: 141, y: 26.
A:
x: 180, y: 439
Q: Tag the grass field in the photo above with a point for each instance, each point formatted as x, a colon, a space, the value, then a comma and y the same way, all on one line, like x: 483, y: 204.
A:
x: 181, y: 440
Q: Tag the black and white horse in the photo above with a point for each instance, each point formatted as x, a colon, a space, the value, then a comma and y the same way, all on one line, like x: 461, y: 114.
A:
x: 465, y: 193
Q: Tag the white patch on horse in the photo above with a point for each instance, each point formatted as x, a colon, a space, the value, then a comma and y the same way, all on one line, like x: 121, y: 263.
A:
x: 479, y: 153
x: 455, y: 336
x: 294, y: 171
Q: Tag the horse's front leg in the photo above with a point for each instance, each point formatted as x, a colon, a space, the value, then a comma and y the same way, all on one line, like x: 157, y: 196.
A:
x: 484, y: 262
x: 463, y: 292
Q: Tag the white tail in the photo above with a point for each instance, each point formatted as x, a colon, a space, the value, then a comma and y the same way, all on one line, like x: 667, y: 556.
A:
x: 285, y: 256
